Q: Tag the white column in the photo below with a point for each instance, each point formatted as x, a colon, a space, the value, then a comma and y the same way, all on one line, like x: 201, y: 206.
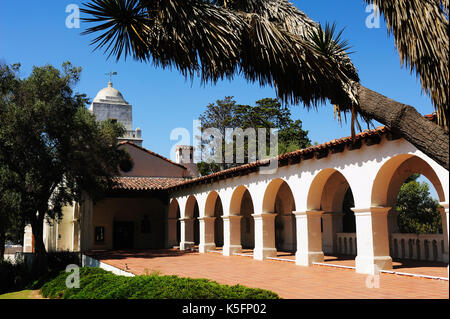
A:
x: 444, y: 214
x: 172, y: 232
x: 264, y: 236
x: 206, y: 234
x: 332, y: 224
x: 28, y: 239
x: 309, y: 238
x: 187, y: 233
x: 231, y: 234
x: 373, y: 240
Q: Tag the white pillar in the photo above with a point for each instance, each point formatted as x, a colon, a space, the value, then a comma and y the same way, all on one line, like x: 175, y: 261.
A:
x: 332, y: 224
x: 187, y: 233
x: 444, y: 214
x: 309, y: 238
x: 373, y: 240
x: 28, y: 245
x: 231, y: 234
x: 172, y: 232
x: 264, y: 236
x: 206, y: 234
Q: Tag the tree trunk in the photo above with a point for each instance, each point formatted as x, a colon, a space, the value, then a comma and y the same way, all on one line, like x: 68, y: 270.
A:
x: 2, y: 241
x: 40, y: 260
x: 404, y: 120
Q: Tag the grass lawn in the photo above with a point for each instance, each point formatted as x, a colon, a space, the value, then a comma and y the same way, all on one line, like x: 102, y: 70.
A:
x: 23, y: 294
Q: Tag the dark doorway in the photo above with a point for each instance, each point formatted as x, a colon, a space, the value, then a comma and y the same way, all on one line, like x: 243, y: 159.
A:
x: 123, y: 235
x: 196, y: 225
x: 349, y: 222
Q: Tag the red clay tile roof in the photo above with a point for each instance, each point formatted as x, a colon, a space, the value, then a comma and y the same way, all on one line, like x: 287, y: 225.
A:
x: 431, y: 117
x: 316, y: 151
x: 150, y: 152
x: 145, y: 183
x: 296, y: 156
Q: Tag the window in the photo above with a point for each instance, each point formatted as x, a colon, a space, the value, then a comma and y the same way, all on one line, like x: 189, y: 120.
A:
x: 99, y: 234
x: 114, y: 121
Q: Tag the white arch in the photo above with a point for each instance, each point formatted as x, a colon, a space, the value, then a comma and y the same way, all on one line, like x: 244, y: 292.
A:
x: 327, y: 191
x: 270, y: 195
x: 190, y: 206
x: 210, y: 203
x: 394, y: 172
x: 173, y: 208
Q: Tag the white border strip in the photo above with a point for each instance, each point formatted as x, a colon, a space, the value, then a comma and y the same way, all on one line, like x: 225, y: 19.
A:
x: 333, y: 265
x: 386, y: 272
x: 88, y: 261
x: 413, y: 275
x: 281, y: 259
x: 245, y: 255
x: 215, y: 251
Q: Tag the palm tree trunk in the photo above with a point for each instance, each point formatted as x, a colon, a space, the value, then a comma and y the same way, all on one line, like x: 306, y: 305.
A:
x: 404, y: 120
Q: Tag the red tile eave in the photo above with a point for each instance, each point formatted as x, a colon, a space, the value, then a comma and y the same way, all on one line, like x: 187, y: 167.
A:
x: 144, y: 183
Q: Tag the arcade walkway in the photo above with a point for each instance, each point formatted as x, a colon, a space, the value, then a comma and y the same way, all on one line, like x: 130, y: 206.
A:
x: 284, y: 278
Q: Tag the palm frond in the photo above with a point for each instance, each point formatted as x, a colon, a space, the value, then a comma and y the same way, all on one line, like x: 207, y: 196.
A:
x: 124, y: 29
x: 421, y: 31
x: 331, y: 44
x: 266, y: 41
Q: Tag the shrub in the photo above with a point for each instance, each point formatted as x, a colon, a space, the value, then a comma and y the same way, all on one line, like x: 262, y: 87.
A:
x: 13, y: 276
x: 18, y: 275
x: 96, y: 283
x: 59, y: 260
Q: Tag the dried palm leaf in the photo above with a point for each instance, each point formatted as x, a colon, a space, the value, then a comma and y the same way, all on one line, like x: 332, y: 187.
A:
x: 421, y: 31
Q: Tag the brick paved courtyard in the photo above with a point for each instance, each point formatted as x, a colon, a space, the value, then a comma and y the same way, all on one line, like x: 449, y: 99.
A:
x: 284, y: 278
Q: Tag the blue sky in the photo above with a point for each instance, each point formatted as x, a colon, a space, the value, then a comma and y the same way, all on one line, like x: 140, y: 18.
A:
x: 35, y: 33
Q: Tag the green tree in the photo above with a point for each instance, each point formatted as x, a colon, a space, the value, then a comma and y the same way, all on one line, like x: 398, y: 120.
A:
x: 52, y: 150
x: 271, y: 42
x: 418, y: 210
x: 268, y: 113
x: 11, y: 225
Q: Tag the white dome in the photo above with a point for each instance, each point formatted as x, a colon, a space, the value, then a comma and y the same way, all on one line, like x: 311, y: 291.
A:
x: 110, y: 95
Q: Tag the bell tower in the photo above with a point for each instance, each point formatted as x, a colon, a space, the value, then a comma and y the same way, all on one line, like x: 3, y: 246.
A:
x: 109, y: 104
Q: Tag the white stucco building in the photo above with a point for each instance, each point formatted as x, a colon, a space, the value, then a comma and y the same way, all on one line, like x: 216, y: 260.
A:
x: 297, y: 207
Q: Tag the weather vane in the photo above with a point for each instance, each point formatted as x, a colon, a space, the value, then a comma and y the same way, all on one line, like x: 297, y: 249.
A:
x: 110, y: 75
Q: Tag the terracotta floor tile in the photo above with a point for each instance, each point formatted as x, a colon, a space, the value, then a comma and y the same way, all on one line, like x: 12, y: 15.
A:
x: 284, y: 278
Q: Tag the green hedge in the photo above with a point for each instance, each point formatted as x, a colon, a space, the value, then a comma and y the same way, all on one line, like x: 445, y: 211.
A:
x: 96, y: 283
x: 13, y: 276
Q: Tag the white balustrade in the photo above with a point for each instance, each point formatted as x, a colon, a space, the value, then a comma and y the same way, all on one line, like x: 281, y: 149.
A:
x: 346, y: 243
x: 429, y: 247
